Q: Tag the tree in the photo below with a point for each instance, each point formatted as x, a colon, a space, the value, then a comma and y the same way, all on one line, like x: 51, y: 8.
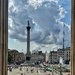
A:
x: 9, y: 56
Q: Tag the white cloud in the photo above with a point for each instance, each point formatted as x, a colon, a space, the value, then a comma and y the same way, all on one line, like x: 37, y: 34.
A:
x: 35, y: 46
x: 45, y: 14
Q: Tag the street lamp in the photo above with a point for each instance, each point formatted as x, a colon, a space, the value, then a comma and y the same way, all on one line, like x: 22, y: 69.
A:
x: 60, y: 70
x: 53, y: 62
x: 53, y: 68
x: 52, y: 72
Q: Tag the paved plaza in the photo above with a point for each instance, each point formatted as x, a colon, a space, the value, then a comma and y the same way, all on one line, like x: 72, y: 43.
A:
x: 36, y: 71
x: 25, y: 72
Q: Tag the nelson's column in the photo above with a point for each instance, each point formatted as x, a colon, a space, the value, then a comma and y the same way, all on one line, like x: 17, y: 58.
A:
x: 28, y: 54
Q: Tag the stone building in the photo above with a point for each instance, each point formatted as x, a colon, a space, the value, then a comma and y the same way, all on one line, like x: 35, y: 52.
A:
x: 17, y: 56
x: 21, y: 57
x: 38, y: 57
x: 47, y: 55
x: 64, y: 54
x: 67, y: 55
x: 53, y: 57
x: 60, y: 53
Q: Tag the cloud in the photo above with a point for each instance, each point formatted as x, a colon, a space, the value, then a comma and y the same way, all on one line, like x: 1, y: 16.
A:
x: 36, y: 46
x: 45, y: 14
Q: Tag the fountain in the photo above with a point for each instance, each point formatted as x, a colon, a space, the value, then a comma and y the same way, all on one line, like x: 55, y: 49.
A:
x: 61, y: 61
x: 60, y: 68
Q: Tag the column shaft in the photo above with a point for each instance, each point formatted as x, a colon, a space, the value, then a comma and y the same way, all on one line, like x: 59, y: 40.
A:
x: 28, y: 41
x: 72, y: 37
x: 3, y: 36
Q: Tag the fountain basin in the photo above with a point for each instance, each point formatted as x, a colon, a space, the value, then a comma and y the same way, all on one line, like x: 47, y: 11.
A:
x: 64, y: 69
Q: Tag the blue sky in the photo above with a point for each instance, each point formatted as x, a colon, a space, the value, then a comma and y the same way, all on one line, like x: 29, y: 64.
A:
x: 46, y: 20
x: 67, y: 6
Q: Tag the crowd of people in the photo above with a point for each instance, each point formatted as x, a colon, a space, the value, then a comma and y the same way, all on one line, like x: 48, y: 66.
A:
x: 32, y: 70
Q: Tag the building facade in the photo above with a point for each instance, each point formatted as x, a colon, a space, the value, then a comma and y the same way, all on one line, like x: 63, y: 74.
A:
x: 47, y: 57
x: 53, y: 57
x: 38, y: 57
x: 17, y: 57
x: 67, y: 55
x: 60, y: 53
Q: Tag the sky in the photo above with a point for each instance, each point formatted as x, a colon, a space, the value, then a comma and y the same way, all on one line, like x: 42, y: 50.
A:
x: 46, y: 18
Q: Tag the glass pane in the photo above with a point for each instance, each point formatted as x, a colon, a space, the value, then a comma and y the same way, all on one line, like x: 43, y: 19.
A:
x: 39, y: 33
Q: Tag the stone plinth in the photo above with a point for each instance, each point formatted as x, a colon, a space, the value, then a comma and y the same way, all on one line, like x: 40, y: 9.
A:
x: 28, y: 57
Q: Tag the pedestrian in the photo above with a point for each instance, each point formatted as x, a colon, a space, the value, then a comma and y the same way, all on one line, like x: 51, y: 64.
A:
x: 31, y: 70
x: 10, y: 69
x: 27, y: 69
x: 24, y: 73
x: 21, y: 73
x: 20, y: 69
x: 37, y: 71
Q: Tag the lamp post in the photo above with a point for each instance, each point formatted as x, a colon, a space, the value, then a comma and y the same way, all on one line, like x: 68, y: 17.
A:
x: 24, y: 60
x: 60, y: 70
x: 53, y: 63
x: 52, y: 72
